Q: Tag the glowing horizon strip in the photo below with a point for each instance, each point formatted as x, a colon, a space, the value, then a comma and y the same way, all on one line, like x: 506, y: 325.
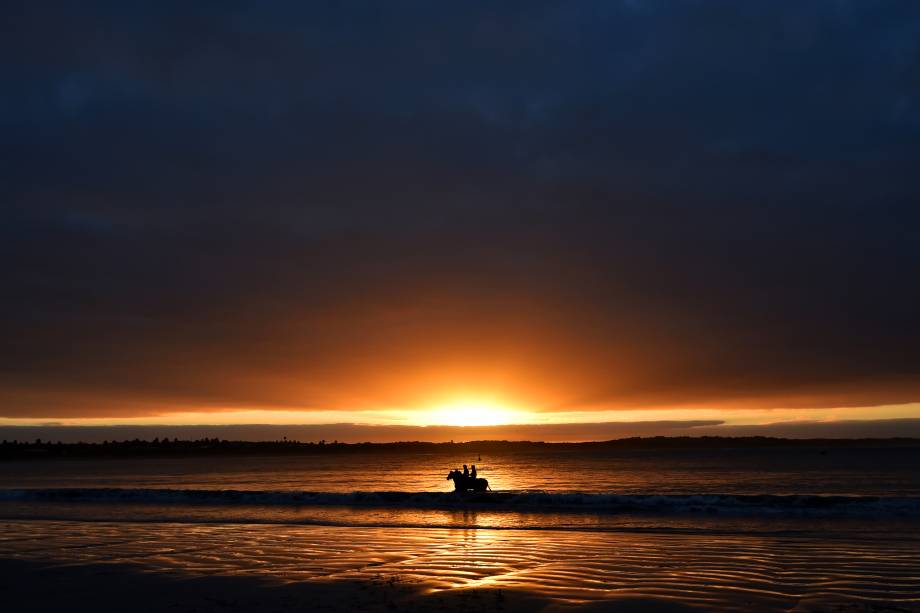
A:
x: 478, y: 414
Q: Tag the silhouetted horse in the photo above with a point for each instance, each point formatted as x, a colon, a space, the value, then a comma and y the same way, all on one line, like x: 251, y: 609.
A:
x: 465, y: 484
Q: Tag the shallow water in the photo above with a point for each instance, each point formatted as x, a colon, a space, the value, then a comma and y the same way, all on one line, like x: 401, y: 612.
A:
x: 875, y: 472
x: 718, y: 572
x: 726, y: 530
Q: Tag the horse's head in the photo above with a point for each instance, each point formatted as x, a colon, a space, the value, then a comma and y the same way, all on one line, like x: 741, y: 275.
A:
x: 451, y: 475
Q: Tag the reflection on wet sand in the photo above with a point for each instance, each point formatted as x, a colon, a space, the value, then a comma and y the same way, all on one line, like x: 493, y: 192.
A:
x: 726, y: 572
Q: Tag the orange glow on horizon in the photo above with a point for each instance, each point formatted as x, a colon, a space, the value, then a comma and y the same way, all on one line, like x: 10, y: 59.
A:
x: 475, y: 413
x: 471, y: 413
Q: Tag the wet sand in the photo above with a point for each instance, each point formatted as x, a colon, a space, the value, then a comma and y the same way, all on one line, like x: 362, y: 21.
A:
x: 60, y: 565
x: 116, y: 587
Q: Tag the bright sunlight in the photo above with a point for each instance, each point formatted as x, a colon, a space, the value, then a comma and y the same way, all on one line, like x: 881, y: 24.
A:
x: 472, y: 414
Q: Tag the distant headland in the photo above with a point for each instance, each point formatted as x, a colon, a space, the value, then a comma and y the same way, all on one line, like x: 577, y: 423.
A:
x: 39, y: 449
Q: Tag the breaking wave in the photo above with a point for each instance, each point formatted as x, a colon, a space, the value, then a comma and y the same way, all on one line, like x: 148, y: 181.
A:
x: 531, y: 502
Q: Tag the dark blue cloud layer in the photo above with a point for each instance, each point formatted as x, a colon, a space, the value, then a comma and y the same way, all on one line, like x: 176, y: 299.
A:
x: 715, y: 200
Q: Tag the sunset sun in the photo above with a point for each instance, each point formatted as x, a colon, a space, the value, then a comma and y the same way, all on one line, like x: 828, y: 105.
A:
x: 471, y: 413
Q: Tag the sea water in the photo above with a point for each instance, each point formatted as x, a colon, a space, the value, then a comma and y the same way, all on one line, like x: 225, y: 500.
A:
x: 778, y: 526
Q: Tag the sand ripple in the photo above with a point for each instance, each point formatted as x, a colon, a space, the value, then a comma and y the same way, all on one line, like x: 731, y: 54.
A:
x: 717, y: 572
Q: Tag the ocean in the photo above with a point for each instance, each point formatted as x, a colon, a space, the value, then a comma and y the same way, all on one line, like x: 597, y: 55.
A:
x: 728, y: 529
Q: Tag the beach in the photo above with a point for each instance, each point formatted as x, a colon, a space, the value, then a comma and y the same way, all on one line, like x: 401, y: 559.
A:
x: 224, y: 567
x: 714, y: 530
x: 110, y: 588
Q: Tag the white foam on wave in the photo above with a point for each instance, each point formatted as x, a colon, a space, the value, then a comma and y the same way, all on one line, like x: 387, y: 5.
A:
x: 533, y: 502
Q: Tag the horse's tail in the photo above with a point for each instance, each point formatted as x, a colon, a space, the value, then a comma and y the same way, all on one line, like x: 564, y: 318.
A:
x: 489, y: 487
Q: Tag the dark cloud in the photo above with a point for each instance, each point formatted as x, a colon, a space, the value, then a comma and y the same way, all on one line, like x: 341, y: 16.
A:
x: 357, y: 433
x: 615, y: 204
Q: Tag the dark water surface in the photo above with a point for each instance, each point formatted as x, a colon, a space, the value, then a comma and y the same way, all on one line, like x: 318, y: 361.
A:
x: 738, y: 529
x: 781, y: 471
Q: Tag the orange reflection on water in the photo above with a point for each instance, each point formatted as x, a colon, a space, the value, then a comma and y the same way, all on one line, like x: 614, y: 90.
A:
x: 706, y: 569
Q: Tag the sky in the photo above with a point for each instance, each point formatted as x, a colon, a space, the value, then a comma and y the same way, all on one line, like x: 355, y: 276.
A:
x: 412, y: 214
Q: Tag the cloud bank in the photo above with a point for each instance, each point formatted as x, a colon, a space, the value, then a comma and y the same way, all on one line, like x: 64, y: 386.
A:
x: 356, y: 433
x: 600, y: 204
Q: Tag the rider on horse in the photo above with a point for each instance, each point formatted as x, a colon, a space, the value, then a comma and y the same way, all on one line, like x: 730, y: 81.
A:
x: 466, y: 480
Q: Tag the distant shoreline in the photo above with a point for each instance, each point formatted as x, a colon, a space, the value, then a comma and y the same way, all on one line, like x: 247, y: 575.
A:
x: 39, y: 449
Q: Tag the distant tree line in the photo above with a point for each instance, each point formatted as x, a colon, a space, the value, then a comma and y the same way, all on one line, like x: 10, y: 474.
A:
x: 37, y: 449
